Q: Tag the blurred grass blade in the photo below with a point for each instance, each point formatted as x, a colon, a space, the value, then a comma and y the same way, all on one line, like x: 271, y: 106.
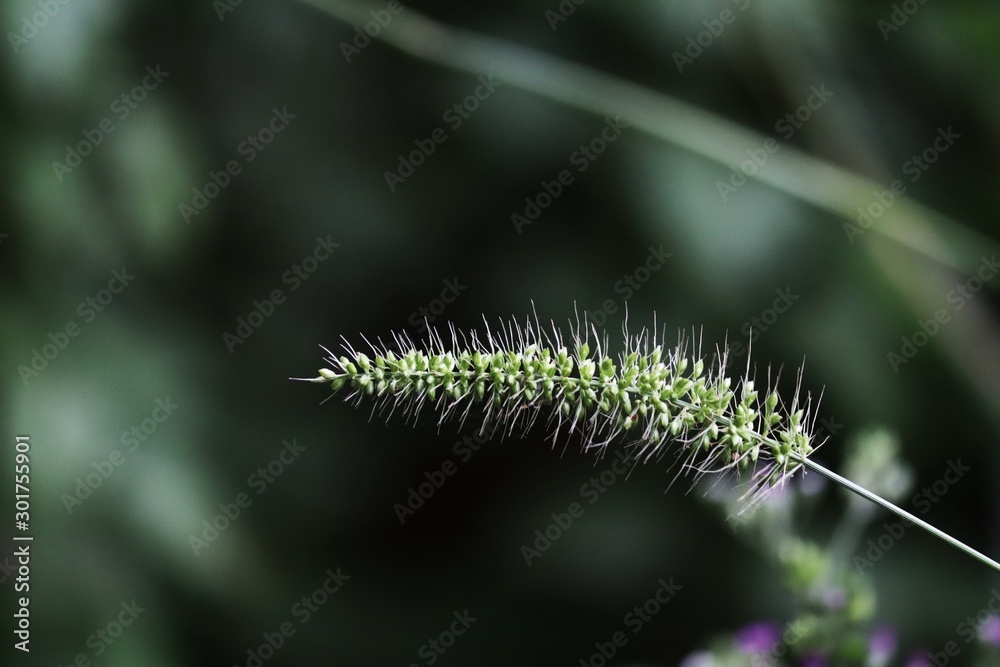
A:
x: 824, y: 185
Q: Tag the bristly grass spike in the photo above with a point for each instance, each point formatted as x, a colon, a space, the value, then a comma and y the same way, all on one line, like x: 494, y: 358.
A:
x: 664, y: 399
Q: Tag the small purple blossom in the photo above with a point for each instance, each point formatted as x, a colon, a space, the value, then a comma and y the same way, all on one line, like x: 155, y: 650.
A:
x: 882, y: 644
x: 758, y: 637
x: 814, y: 659
x: 989, y: 631
x: 918, y: 658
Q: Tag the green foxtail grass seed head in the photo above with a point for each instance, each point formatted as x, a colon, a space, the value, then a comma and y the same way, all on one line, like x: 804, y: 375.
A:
x: 661, y: 400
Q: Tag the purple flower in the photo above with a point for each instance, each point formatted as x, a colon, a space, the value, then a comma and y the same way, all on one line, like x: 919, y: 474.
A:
x: 989, y: 631
x: 813, y: 660
x: 918, y: 658
x: 882, y: 645
x: 758, y: 637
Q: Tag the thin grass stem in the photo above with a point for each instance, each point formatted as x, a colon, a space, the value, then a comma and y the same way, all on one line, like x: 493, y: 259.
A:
x: 878, y: 500
x: 810, y: 179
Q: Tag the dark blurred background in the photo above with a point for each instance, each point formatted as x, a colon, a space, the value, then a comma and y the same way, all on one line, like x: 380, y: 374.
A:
x: 152, y: 406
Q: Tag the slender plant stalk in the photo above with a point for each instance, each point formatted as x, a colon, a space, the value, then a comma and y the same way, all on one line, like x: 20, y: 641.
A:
x: 812, y: 180
x: 878, y: 500
x: 668, y: 401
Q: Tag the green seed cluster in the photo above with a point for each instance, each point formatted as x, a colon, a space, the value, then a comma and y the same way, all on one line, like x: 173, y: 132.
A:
x: 666, y: 400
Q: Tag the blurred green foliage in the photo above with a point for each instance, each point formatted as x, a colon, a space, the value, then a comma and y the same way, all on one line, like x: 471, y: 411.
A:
x: 186, y: 137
